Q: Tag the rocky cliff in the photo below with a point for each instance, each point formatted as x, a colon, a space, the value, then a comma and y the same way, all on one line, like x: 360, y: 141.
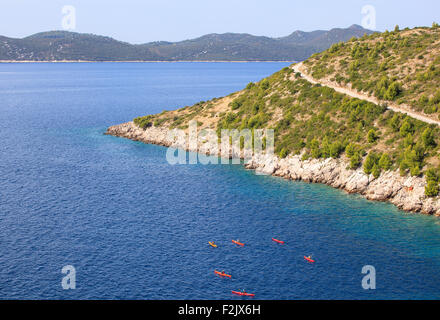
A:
x: 407, y: 193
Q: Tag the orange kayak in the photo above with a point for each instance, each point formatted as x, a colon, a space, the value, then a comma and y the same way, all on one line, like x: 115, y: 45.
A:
x: 278, y: 241
x: 237, y: 242
x: 243, y: 293
x: 222, y: 274
x: 212, y: 244
x: 309, y: 259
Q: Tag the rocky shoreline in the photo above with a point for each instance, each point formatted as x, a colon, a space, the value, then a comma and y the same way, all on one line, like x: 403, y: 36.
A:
x: 407, y: 193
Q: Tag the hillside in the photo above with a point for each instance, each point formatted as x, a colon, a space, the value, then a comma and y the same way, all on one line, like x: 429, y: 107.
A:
x: 399, y: 68
x: 63, y: 45
x: 364, y: 134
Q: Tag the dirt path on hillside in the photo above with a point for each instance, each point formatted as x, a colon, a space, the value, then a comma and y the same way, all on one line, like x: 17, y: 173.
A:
x: 299, y: 67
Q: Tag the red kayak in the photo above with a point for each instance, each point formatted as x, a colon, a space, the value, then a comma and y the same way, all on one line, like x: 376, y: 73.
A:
x: 309, y: 259
x: 278, y: 241
x: 222, y: 274
x: 243, y: 293
x: 238, y: 242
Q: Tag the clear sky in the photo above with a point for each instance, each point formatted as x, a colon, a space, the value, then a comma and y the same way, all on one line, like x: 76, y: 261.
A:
x: 139, y: 21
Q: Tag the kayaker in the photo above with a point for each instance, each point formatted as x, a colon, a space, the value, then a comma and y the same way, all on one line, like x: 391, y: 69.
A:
x: 309, y: 257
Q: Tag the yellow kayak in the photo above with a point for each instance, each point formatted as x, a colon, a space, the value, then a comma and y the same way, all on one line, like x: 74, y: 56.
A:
x: 212, y: 244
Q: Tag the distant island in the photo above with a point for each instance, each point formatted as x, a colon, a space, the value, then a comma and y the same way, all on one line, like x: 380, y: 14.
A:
x: 70, y: 46
x: 362, y: 116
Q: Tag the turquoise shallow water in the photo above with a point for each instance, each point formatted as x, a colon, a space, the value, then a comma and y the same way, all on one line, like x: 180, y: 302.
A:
x: 136, y: 227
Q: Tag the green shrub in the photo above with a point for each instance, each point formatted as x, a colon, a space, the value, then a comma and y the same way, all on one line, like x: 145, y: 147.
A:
x: 395, y: 122
x: 369, y: 163
x: 250, y: 85
x: 428, y: 138
x: 265, y: 84
x: 415, y: 171
x: 284, y: 153
x: 393, y: 91
x: 376, y: 171
x: 371, y: 136
x: 314, y: 149
x: 406, y: 128
x: 355, y: 160
x: 433, y: 178
x: 235, y: 105
x: 335, y: 149
x: 432, y: 174
x: 144, y: 122
x: 350, y: 150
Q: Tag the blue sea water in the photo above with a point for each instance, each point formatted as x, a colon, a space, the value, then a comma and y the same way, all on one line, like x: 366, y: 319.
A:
x: 135, y: 227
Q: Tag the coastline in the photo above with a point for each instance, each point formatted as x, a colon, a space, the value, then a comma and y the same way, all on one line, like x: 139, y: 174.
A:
x: 407, y: 193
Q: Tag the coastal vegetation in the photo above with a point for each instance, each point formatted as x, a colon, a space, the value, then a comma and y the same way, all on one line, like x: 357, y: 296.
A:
x: 402, y: 66
x: 64, y: 45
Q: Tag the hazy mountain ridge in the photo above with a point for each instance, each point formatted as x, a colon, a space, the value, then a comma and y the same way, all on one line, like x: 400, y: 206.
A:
x: 64, y: 45
x: 371, y: 138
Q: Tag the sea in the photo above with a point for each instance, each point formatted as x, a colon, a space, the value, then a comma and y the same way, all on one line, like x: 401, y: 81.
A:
x: 84, y: 215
